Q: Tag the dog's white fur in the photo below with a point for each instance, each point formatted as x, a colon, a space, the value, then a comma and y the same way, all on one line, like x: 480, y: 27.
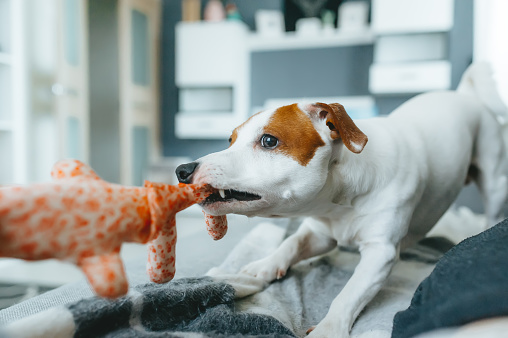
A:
x: 380, y: 200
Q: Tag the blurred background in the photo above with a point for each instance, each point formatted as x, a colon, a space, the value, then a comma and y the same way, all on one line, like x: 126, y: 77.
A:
x: 136, y: 87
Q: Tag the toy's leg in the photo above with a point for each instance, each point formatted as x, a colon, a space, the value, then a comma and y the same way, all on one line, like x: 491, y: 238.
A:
x: 106, y: 275
x: 217, y: 226
x: 161, y: 255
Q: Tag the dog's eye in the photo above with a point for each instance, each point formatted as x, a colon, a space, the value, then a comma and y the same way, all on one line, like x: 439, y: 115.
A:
x: 269, y: 141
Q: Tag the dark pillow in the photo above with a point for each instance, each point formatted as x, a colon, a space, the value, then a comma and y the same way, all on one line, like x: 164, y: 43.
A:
x: 469, y: 283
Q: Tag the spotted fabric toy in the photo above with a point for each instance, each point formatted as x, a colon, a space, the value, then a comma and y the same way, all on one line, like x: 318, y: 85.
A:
x: 84, y: 220
x: 217, y: 226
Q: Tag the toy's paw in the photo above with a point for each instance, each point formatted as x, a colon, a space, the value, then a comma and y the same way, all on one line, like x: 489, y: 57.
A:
x: 106, y: 275
x: 268, y: 269
x: 161, y: 256
x: 217, y: 226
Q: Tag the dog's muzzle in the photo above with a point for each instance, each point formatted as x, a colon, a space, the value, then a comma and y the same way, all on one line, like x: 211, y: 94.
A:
x: 185, y: 171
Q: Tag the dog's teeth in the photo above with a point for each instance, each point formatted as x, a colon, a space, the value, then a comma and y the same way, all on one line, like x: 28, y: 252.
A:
x: 222, y: 193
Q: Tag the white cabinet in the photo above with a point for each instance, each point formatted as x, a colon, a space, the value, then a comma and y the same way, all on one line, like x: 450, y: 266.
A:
x: 44, y: 87
x: 70, y: 89
x: 413, y: 77
x: 58, y: 94
x: 411, y: 16
x: 411, y: 48
x: 213, y: 69
x: 212, y: 76
x: 209, y: 54
x: 205, y: 125
x: 13, y: 93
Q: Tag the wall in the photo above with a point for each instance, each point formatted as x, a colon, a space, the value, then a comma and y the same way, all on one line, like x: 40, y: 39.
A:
x: 310, y: 73
x: 460, y: 49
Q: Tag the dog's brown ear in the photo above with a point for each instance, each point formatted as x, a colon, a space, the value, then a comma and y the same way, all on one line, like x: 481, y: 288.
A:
x: 342, y: 126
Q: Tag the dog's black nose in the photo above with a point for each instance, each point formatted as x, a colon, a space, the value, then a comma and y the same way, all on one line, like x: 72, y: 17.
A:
x: 184, y: 172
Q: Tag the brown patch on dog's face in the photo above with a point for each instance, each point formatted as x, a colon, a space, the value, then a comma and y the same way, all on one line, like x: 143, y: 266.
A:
x: 297, y: 136
x: 234, y: 135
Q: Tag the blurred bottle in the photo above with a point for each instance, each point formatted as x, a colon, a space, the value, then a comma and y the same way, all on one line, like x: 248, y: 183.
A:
x: 232, y: 12
x: 214, y: 11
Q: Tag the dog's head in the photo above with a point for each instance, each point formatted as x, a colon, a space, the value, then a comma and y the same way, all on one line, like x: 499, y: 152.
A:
x: 278, y: 160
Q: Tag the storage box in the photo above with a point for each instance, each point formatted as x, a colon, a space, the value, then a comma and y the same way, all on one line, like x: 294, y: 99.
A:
x: 205, y: 125
x: 206, y: 99
x: 404, y: 16
x: 410, y: 47
x: 410, y: 77
x: 210, y: 53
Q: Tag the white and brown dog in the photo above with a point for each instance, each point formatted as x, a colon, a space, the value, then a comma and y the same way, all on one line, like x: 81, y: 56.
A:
x: 382, y: 196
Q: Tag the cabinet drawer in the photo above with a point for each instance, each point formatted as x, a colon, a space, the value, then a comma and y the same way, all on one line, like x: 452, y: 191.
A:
x: 410, y: 48
x: 409, y: 78
x: 411, y: 16
x: 206, y: 125
x: 212, y: 99
x: 210, y: 53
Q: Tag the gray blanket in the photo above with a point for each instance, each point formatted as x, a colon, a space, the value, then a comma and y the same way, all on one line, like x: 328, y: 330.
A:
x: 224, y: 303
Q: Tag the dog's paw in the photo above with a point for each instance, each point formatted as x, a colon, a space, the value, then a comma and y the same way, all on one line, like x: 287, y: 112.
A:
x: 267, y: 269
x: 325, y: 330
x: 310, y: 329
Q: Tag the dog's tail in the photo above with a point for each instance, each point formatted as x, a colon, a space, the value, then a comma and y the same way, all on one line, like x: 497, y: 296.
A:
x: 478, y: 80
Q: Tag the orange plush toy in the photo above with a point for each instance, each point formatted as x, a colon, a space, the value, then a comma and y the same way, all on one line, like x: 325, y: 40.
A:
x: 82, y: 219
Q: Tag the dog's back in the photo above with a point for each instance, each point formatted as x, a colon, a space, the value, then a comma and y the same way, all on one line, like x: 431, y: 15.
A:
x: 474, y: 151
x: 490, y: 160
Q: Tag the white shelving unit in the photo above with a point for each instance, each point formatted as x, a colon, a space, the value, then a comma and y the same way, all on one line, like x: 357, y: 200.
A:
x: 213, y: 58
x: 292, y: 40
x: 13, y: 98
x: 410, y: 51
x: 212, y: 74
x: 57, y: 70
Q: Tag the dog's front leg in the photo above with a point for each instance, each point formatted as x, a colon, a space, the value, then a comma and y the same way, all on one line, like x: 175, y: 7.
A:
x: 305, y: 243
x: 374, y: 267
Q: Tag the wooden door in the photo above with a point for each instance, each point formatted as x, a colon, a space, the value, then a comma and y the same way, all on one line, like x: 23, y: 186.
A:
x: 71, y: 86
x: 139, y: 29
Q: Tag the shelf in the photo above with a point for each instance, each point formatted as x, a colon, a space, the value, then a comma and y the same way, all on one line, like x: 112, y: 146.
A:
x: 5, y: 59
x: 291, y: 40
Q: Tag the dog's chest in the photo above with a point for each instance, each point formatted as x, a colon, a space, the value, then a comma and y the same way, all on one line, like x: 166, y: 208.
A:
x: 343, y: 227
